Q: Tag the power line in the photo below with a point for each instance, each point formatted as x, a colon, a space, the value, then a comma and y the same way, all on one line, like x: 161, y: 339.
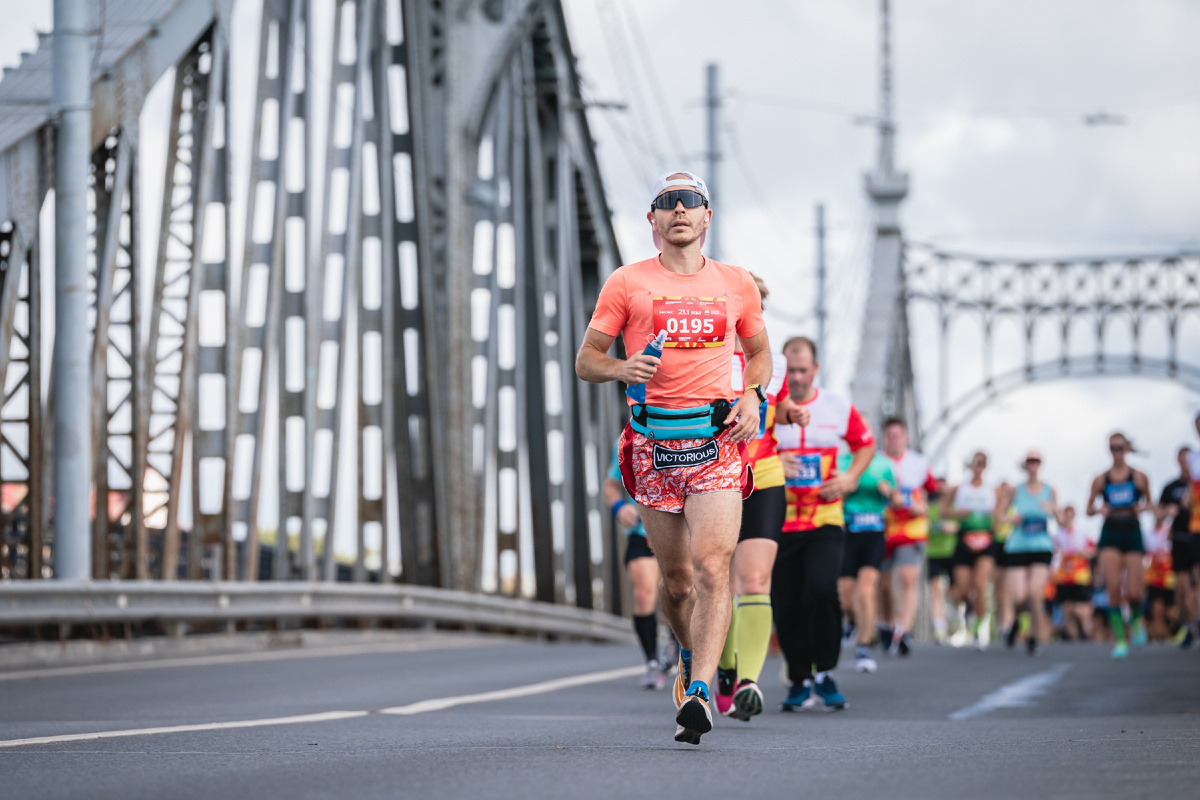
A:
x: 643, y: 51
x: 614, y: 41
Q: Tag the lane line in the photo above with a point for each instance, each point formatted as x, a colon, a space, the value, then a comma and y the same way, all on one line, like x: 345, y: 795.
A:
x: 543, y: 687
x: 1018, y: 694
x: 248, y: 657
x: 324, y: 716
x: 422, y: 707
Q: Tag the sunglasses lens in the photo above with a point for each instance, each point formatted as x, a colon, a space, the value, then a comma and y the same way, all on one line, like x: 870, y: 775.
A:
x: 667, y: 200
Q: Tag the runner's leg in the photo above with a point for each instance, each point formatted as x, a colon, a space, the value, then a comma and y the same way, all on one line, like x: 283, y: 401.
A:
x: 752, y: 580
x: 1016, y: 592
x: 1038, y: 575
x: 868, y: 593
x: 787, y: 588
x: 1135, y: 588
x: 668, y: 536
x: 713, y: 520
x: 1110, y: 568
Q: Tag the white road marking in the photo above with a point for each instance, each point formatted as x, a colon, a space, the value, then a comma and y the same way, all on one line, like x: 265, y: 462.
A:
x: 421, y: 707
x: 325, y: 716
x: 442, y: 703
x: 251, y: 656
x: 1018, y: 694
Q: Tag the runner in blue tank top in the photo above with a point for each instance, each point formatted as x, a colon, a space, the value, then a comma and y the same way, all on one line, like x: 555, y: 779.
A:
x: 1120, y: 494
x: 1028, y: 552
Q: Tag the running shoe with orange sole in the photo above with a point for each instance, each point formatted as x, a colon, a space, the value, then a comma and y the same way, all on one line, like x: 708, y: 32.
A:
x: 683, y: 679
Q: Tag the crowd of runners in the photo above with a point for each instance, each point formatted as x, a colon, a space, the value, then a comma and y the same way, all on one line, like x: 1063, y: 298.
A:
x: 760, y: 508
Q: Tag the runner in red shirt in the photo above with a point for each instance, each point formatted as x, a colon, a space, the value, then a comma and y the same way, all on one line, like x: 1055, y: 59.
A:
x: 683, y: 454
x: 804, y: 596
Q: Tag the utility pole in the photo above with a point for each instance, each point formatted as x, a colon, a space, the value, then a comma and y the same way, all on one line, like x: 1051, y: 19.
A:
x: 713, y: 101
x: 72, y: 423
x: 821, y: 307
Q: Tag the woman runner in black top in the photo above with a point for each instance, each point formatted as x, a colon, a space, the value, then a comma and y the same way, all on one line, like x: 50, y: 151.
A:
x: 1120, y: 494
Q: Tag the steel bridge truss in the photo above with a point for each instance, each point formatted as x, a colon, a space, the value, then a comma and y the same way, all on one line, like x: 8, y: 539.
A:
x: 1041, y: 320
x: 449, y: 265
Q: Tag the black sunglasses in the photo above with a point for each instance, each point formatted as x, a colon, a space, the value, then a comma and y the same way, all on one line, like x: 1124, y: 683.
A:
x: 691, y: 199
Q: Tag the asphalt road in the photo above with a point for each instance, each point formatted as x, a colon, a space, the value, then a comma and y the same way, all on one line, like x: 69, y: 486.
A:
x: 943, y: 723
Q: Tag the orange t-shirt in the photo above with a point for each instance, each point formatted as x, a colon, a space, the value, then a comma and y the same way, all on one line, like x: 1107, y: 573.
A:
x: 701, y: 314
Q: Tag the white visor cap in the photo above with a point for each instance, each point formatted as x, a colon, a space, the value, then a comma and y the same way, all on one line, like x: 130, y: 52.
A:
x: 664, y: 182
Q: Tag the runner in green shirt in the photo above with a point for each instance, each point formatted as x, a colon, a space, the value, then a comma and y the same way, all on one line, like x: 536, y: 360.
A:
x: 862, y: 556
x: 943, y: 539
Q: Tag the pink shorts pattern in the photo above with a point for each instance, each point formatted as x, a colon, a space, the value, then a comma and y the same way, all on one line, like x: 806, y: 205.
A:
x: 666, y: 489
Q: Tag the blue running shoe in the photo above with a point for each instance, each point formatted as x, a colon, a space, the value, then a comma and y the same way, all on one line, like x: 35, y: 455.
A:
x: 1137, y: 636
x: 1120, y: 651
x: 799, y: 696
x: 1188, y: 639
x: 827, y: 690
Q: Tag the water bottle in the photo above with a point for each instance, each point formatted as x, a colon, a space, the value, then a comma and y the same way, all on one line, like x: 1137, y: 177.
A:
x: 637, y: 391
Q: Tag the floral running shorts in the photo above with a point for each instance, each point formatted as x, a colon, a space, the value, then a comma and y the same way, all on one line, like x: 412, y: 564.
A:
x: 661, y: 473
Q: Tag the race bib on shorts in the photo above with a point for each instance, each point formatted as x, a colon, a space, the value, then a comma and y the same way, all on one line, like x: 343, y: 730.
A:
x: 666, y: 458
x: 809, y: 475
x: 691, y: 321
x: 1034, y: 527
x: 865, y: 521
x: 977, y: 541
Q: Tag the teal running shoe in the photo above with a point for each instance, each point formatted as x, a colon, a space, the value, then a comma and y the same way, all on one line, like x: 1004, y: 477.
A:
x: 827, y: 690
x: 799, y: 696
x: 1120, y: 651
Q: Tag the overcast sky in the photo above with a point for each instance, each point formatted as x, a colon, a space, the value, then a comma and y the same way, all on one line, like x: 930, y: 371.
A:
x: 990, y: 97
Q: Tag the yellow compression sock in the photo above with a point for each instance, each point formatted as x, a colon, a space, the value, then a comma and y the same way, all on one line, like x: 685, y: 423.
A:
x: 753, y: 634
x: 729, y: 653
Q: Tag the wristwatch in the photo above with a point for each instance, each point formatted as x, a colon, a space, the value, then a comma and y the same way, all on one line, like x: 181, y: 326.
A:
x: 758, y: 390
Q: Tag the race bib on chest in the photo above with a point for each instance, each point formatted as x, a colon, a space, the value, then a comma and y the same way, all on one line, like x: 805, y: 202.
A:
x: 865, y: 521
x: 666, y: 458
x: 691, y: 321
x: 1034, y: 527
x: 809, y: 475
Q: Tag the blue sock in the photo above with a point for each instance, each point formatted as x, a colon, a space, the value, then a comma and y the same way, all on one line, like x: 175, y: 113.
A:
x: 698, y: 688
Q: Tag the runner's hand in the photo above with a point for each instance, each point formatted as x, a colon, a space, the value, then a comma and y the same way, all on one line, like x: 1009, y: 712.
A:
x: 743, y: 416
x: 791, y: 464
x: 638, y: 369
x: 798, y: 415
x: 837, y: 486
x: 628, y: 516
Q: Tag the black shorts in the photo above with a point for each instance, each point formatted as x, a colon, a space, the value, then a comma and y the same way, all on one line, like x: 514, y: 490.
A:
x: 1019, y: 560
x: 636, y: 546
x: 763, y: 513
x: 1070, y: 593
x: 1183, y: 555
x: 1123, y: 533
x: 1158, y: 593
x: 862, y: 549
x: 966, y: 557
x: 937, y: 567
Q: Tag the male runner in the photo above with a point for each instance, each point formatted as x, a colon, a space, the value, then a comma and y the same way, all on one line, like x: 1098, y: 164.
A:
x: 906, y: 525
x: 749, y: 636
x: 683, y: 452
x: 862, y: 555
x: 1183, y: 558
x: 804, y: 596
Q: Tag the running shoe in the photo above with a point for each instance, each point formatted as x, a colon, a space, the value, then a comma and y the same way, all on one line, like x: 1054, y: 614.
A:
x: 683, y: 679
x: 1137, y: 633
x: 827, y: 690
x: 1188, y: 639
x: 1033, y: 648
x: 905, y: 645
x: 848, y: 632
x: 863, y: 661
x: 960, y: 638
x: 1010, y: 637
x: 747, y: 700
x: 983, y: 635
x: 653, y: 679
x: 726, y: 682
x: 799, y: 696
x: 885, y: 638
x: 1120, y: 651
x: 694, y: 720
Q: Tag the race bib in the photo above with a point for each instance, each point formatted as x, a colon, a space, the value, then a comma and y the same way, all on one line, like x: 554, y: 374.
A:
x: 977, y: 541
x: 691, y: 321
x: 666, y: 458
x: 865, y: 521
x: 1034, y: 527
x: 1121, y: 495
x: 906, y: 498
x: 809, y: 475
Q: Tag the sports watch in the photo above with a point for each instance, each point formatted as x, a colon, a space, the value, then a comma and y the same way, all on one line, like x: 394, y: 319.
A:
x: 758, y: 390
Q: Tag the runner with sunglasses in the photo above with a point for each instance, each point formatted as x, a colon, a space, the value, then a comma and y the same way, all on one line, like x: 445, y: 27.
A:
x: 804, y: 592
x: 683, y: 454
x: 749, y: 637
x: 1120, y: 494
